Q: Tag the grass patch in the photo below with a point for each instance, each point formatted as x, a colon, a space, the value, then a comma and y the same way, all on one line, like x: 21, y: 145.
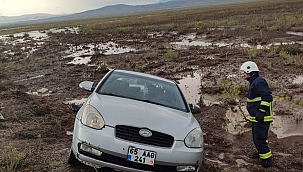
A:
x: 152, y: 54
x: 253, y: 52
x: 13, y: 158
x: 231, y: 91
x: 56, y: 164
x: 172, y: 54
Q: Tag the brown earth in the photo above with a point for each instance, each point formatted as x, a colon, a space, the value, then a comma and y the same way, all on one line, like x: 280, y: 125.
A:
x: 39, y: 126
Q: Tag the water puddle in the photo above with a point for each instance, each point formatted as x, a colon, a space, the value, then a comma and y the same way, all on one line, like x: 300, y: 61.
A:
x: 82, y: 54
x: 34, y: 77
x: 283, y: 125
x: 287, y: 125
x: 194, y: 40
x: 236, y: 119
x: 298, y: 80
x: 74, y: 30
x: 38, y: 36
x: 41, y: 92
x: 75, y: 101
x: 295, y: 33
x: 23, y: 36
x: 190, y: 86
x: 80, y: 60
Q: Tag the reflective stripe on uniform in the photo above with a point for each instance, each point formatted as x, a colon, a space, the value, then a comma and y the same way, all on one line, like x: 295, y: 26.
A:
x: 262, y: 110
x: 257, y: 99
x: 265, y: 155
x: 266, y: 118
x: 264, y: 103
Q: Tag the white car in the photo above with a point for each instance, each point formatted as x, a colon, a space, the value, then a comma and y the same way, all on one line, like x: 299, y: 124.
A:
x: 137, y: 122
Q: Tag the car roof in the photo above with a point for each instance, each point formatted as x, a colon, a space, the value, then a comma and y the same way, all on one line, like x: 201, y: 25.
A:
x: 145, y: 75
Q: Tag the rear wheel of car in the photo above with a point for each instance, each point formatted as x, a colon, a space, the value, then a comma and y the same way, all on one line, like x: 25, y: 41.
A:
x: 72, y: 160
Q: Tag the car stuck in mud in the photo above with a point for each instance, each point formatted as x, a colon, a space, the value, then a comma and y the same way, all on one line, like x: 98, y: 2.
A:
x: 137, y: 122
x: 200, y: 49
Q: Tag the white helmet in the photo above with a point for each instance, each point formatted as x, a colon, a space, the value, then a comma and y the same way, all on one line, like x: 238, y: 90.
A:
x: 249, y: 66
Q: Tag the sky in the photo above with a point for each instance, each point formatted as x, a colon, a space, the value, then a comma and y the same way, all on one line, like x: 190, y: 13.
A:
x: 21, y: 7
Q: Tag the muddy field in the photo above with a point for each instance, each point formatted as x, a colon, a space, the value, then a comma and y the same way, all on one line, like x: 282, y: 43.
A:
x: 45, y: 70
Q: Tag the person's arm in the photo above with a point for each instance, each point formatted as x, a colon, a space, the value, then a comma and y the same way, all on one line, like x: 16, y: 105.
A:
x: 266, y: 99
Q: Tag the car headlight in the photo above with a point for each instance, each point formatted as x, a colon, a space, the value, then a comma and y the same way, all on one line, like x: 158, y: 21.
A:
x: 194, y: 139
x: 92, y: 118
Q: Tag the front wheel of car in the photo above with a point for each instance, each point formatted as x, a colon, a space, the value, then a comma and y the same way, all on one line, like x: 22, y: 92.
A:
x: 72, y: 160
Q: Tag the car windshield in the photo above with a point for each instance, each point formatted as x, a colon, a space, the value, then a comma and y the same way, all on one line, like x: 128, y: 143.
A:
x: 143, y: 88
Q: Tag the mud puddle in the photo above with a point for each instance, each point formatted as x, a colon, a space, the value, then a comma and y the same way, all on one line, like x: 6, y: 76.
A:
x: 298, y: 80
x: 283, y: 125
x: 191, y: 85
x: 287, y: 125
x: 201, y: 40
x: 82, y: 54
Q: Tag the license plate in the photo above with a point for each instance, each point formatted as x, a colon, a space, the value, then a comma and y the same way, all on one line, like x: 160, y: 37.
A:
x: 141, y: 156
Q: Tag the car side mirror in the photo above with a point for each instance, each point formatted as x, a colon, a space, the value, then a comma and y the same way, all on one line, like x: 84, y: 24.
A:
x: 194, y: 108
x: 87, y: 85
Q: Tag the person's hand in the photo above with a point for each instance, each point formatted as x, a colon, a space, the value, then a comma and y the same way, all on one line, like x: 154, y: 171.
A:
x: 260, y: 116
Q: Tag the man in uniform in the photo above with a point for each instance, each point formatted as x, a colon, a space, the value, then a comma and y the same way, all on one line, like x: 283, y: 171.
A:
x: 259, y: 106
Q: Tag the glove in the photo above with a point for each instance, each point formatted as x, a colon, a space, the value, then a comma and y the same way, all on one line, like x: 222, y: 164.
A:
x: 260, y: 116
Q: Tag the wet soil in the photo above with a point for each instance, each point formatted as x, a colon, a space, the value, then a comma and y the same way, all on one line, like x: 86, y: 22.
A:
x: 39, y: 123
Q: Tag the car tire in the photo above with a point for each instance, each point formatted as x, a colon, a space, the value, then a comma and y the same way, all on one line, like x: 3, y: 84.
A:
x: 72, y: 160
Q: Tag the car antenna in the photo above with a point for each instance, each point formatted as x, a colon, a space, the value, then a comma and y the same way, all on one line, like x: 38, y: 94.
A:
x: 6, y: 20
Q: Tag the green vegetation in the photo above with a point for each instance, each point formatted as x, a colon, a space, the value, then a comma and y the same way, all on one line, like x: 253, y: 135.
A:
x: 3, y: 74
x: 172, y: 54
x: 269, y: 65
x: 291, y: 53
x: 253, y: 52
x: 152, y: 54
x: 292, y: 49
x: 55, y: 164
x: 13, y: 158
x: 224, y: 51
x: 153, y: 44
x: 231, y: 91
x: 273, y: 50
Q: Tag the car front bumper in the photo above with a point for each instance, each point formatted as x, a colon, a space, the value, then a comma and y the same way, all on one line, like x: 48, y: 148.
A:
x: 114, y: 151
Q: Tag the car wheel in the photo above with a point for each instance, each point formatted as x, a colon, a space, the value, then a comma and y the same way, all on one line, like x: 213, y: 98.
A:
x: 72, y: 160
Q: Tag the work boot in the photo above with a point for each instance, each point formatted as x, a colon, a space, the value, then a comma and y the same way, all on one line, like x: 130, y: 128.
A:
x: 267, y: 162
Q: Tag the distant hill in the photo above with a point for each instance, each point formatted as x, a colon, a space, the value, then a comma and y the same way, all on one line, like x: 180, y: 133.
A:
x: 23, y: 18
x: 113, y: 10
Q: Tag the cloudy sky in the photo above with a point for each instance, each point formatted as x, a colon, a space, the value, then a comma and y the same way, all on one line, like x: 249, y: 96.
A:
x: 20, y: 7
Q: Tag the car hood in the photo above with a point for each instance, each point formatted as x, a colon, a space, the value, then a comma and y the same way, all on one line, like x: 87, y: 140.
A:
x: 123, y: 111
